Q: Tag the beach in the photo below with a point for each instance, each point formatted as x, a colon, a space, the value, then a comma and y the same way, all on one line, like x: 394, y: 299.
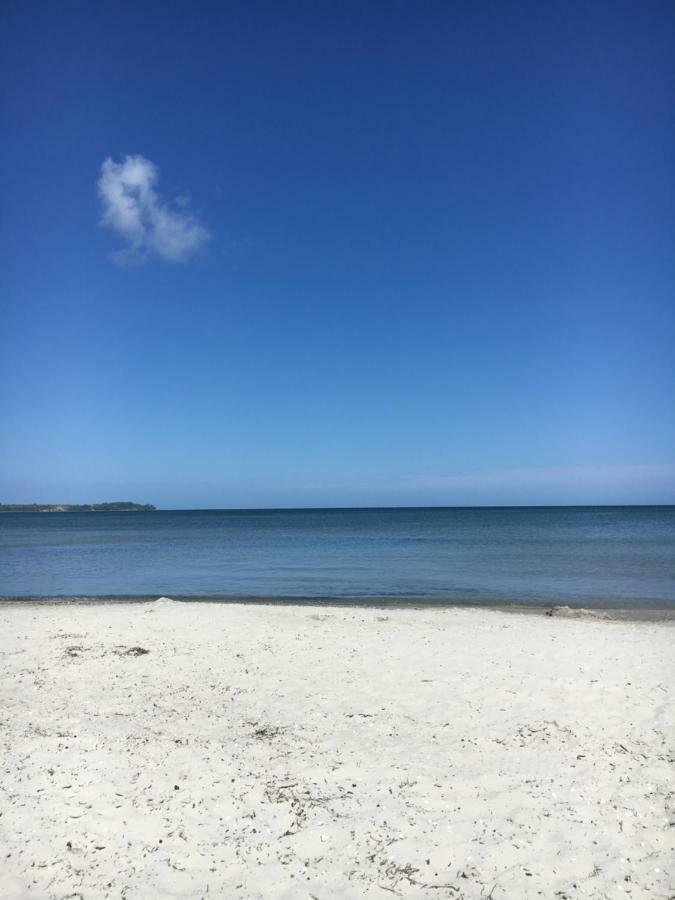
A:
x: 195, y: 750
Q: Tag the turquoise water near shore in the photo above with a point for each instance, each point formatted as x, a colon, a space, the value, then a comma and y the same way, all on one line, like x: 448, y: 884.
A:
x: 590, y: 556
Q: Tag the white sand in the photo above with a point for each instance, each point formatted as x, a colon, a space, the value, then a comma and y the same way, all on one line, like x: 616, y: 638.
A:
x: 290, y: 752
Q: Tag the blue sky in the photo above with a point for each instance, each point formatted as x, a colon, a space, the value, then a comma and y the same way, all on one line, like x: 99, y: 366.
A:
x: 339, y: 254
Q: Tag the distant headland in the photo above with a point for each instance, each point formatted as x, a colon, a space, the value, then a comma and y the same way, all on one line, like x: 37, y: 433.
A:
x: 119, y: 506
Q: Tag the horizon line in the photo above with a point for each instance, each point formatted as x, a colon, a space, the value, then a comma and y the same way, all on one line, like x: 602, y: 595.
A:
x: 355, y: 508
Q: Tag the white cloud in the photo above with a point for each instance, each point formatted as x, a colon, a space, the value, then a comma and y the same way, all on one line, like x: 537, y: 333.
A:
x: 136, y: 211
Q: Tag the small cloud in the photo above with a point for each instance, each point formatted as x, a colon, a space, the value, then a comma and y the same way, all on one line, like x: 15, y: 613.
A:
x: 136, y: 211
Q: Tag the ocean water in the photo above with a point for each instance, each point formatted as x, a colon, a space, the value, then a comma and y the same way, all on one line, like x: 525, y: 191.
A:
x: 589, y: 556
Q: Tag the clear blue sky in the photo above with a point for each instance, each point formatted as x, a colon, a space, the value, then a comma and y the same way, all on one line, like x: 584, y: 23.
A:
x: 382, y: 253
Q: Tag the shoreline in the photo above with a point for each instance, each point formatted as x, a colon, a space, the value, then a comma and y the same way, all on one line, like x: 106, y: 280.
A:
x: 654, y: 613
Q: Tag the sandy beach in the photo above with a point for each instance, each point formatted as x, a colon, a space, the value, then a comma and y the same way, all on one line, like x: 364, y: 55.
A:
x: 209, y: 750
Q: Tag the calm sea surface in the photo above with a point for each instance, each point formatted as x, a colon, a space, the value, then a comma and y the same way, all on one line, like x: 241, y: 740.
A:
x: 604, y: 556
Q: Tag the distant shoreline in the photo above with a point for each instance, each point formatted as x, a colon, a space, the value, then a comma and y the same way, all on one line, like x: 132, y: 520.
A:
x: 120, y: 506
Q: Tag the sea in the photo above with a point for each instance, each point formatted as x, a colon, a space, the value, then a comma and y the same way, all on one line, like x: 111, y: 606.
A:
x: 592, y: 556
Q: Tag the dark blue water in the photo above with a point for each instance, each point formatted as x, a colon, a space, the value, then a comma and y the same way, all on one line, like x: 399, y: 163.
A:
x: 602, y: 556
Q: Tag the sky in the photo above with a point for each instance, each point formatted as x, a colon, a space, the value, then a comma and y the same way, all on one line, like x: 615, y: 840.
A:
x: 317, y: 254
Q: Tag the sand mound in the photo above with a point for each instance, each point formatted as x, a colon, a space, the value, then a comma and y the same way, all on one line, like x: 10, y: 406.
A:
x: 571, y: 612
x: 161, y: 601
